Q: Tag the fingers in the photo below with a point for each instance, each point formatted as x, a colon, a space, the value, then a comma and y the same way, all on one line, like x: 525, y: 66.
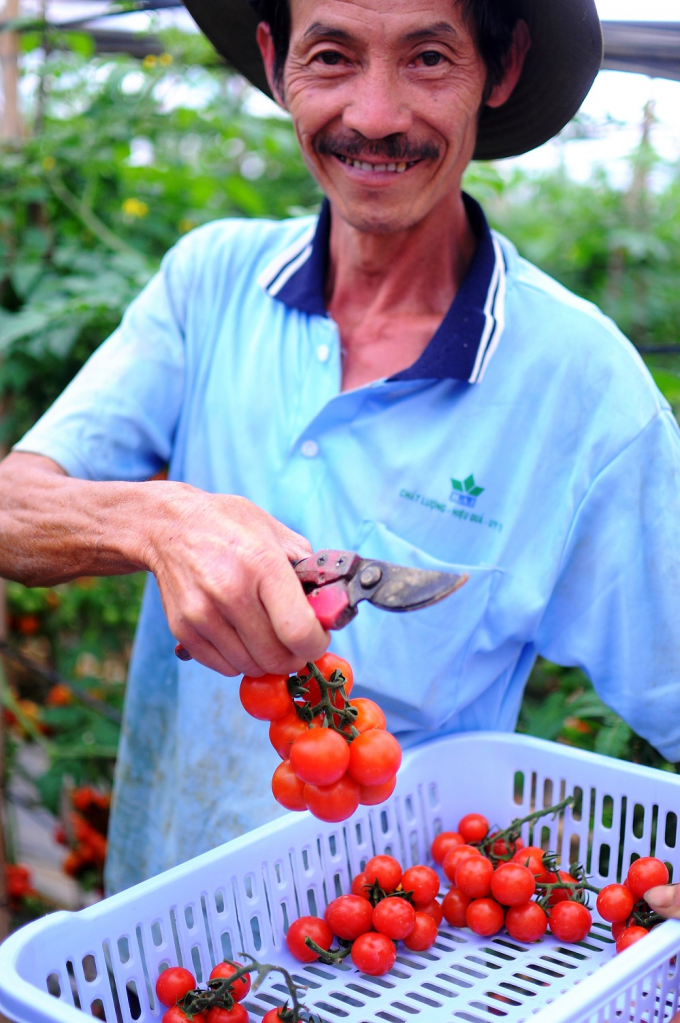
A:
x: 291, y: 615
x: 665, y: 900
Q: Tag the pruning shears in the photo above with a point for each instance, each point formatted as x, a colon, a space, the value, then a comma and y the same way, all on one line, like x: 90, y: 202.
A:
x: 336, y: 581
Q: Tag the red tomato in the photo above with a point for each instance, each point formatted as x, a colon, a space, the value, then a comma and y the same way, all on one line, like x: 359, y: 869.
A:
x: 433, y: 909
x: 173, y: 984
x: 385, y: 870
x: 237, y: 1014
x: 327, y: 664
x: 272, y: 1016
x: 240, y: 987
x: 423, y: 882
x: 287, y: 788
x: 335, y: 802
x: 646, y: 873
x: 266, y: 698
x: 455, y: 856
x: 394, y: 917
x: 320, y: 756
x: 308, y: 927
x: 527, y: 922
x: 177, y: 1015
x: 531, y: 857
x: 615, y: 903
x: 473, y: 876
x: 501, y: 848
x: 473, y: 827
x: 371, y: 795
x: 348, y: 916
x: 629, y: 936
x: 618, y: 929
x: 423, y: 935
x: 484, y: 917
x: 374, y: 954
x: 361, y: 884
x: 570, y: 921
x: 374, y: 757
x: 282, y: 733
x: 370, y: 715
x: 512, y: 884
x: 454, y: 906
x: 558, y: 894
x: 442, y: 843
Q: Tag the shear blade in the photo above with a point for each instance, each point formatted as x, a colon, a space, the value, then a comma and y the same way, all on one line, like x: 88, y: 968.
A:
x: 408, y: 589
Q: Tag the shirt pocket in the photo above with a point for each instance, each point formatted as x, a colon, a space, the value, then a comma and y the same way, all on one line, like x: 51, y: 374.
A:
x: 414, y: 664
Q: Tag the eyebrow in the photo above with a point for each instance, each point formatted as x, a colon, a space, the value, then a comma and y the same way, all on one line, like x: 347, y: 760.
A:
x: 439, y: 28
x: 317, y: 30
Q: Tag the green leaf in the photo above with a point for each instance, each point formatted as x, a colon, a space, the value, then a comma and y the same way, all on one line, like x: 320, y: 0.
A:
x: 476, y: 491
x: 457, y: 485
x: 469, y: 483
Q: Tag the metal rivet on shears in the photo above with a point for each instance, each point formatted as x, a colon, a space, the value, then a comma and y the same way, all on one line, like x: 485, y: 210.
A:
x: 370, y: 576
x: 321, y: 560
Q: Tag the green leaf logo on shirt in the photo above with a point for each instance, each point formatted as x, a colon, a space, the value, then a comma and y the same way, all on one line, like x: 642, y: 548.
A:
x: 467, y: 486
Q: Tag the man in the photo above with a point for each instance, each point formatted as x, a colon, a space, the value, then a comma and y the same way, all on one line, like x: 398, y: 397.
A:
x: 390, y: 378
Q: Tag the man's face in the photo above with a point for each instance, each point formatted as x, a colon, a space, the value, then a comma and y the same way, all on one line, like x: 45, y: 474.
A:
x: 384, y: 96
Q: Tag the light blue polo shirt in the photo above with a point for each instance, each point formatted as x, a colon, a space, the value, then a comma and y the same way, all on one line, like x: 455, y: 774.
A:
x: 528, y: 445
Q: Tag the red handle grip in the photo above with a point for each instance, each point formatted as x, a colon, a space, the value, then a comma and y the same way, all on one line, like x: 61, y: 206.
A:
x: 331, y: 605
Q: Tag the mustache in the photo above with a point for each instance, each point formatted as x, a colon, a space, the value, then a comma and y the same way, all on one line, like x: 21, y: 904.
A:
x: 391, y: 149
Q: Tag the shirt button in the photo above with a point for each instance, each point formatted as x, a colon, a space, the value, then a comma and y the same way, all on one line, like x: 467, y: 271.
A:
x: 322, y: 353
x: 309, y: 448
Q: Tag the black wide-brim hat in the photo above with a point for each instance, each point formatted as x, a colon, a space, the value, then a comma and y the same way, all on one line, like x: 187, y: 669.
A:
x: 565, y: 57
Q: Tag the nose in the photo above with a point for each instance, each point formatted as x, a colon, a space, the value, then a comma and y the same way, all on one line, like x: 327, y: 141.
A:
x: 377, y: 107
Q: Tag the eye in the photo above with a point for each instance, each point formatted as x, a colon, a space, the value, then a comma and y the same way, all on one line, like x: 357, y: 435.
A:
x: 431, y: 58
x: 329, y: 57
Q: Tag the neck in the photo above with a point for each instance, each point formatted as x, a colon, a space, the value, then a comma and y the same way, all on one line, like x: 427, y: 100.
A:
x: 415, y: 271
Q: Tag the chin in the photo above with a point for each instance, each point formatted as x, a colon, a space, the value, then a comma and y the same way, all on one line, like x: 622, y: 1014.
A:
x: 371, y: 219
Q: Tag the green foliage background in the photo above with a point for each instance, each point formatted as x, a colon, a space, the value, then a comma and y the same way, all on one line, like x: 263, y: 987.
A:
x: 123, y: 157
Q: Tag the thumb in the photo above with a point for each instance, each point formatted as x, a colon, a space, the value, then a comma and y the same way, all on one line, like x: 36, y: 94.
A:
x: 665, y: 900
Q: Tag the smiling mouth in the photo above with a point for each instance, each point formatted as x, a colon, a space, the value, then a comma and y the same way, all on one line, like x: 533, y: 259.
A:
x: 388, y: 168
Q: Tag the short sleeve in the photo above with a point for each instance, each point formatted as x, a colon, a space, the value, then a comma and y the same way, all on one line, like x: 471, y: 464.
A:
x: 116, y: 419
x: 615, y: 609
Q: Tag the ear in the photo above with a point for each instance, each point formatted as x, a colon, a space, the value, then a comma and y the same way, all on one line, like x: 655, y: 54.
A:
x: 266, y: 44
x: 514, y: 62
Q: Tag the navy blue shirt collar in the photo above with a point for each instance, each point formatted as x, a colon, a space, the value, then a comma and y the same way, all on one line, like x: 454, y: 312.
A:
x: 465, y: 340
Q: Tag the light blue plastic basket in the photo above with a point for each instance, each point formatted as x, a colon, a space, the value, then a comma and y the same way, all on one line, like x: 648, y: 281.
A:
x: 105, y: 959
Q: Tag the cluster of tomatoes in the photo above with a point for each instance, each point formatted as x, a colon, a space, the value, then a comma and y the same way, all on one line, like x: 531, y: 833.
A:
x: 220, y: 1001
x: 17, y: 883
x: 335, y: 752
x: 623, y: 905
x: 86, y: 833
x: 386, y: 905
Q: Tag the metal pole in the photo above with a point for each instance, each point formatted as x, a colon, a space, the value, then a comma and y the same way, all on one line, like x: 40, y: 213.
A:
x: 9, y: 60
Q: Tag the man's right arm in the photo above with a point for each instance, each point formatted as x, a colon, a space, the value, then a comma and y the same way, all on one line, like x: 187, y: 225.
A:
x: 223, y: 565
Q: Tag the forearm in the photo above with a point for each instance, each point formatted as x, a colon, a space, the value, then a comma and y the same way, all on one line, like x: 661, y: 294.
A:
x: 54, y: 528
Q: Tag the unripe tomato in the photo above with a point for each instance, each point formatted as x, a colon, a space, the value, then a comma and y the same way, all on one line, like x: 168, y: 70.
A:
x: 473, y: 876
x: 423, y: 935
x: 423, y: 882
x: 371, y: 795
x: 512, y: 884
x: 240, y: 987
x: 237, y: 1014
x: 304, y: 927
x: 334, y: 802
x: 615, y: 903
x: 473, y: 827
x: 374, y: 757
x: 173, y: 984
x: 370, y: 715
x: 570, y: 921
x: 646, y: 873
x: 394, y: 917
x: 433, y: 909
x: 484, y: 917
x: 443, y: 842
x: 282, y: 733
x: 287, y: 788
x: 374, y: 954
x: 385, y: 870
x: 531, y: 857
x: 320, y: 756
x: 348, y: 916
x: 527, y: 922
x: 266, y: 698
x: 629, y: 936
x: 454, y: 907
x: 456, y: 856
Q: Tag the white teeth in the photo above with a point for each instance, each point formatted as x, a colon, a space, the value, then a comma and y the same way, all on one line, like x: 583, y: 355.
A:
x: 367, y: 166
x: 380, y: 167
x: 357, y: 164
x: 391, y: 166
x: 397, y: 168
x: 401, y: 167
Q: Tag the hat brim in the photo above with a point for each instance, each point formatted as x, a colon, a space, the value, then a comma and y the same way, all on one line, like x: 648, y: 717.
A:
x: 565, y: 56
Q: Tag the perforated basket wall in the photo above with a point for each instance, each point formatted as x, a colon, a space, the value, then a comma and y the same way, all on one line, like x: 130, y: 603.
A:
x: 104, y: 960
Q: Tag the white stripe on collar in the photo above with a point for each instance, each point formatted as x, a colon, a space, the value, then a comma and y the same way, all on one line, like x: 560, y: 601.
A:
x: 494, y: 312
x: 276, y: 273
